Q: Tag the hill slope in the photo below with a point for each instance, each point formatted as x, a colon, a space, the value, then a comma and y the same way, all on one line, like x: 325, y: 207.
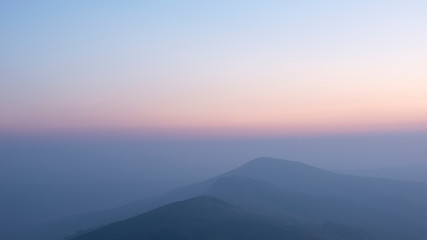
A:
x: 375, y: 220
x: 201, y: 218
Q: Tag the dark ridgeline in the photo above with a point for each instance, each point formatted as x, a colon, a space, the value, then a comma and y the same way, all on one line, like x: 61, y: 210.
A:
x: 206, y: 217
x: 285, y: 197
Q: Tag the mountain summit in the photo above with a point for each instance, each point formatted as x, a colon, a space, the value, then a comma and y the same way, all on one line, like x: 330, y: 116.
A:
x: 275, y: 162
x: 265, y: 166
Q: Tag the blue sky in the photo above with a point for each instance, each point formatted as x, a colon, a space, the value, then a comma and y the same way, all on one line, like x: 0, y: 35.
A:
x: 246, y: 66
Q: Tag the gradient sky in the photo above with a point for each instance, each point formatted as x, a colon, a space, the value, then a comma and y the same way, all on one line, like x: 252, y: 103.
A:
x: 242, y: 67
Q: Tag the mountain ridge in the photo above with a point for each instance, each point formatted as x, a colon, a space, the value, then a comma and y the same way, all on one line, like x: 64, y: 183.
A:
x: 296, y: 179
x: 203, y: 217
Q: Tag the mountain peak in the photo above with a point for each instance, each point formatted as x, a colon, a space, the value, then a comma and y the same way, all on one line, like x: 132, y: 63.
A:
x: 280, y: 172
x: 269, y: 162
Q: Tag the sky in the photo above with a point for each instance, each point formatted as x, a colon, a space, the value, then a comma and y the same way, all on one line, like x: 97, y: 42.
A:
x: 213, y: 67
x: 100, y: 97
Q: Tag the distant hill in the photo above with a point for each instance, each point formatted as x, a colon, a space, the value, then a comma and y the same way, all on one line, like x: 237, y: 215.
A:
x: 407, y: 173
x: 205, y: 218
x: 375, y: 219
x: 382, y: 208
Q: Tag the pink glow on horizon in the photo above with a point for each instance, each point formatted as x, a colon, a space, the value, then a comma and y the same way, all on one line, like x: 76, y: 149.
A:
x: 238, y: 130
x: 312, y: 69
